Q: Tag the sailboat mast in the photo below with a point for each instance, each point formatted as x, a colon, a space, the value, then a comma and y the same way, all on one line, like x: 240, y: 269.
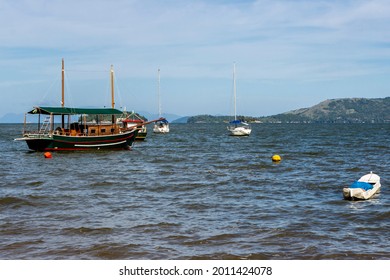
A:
x: 63, y: 84
x: 112, y: 87
x: 158, y: 93
x: 234, y: 91
x: 112, y: 93
x: 63, y: 92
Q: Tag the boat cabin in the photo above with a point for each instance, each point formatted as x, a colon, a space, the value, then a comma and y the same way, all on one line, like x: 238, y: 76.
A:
x: 68, y: 126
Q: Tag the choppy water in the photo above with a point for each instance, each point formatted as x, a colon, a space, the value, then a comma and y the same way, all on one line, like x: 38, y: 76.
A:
x: 197, y: 193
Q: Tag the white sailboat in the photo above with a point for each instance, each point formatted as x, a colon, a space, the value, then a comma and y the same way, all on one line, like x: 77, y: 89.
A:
x: 237, y: 127
x: 162, y: 125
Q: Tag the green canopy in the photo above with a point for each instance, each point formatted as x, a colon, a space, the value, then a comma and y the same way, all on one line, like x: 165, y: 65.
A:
x: 74, y: 111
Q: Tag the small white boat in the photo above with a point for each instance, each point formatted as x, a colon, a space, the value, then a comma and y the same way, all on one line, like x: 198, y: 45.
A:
x: 162, y: 125
x: 237, y: 127
x: 364, y: 188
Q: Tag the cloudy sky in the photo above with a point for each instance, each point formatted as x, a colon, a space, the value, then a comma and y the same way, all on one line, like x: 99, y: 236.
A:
x: 288, y: 54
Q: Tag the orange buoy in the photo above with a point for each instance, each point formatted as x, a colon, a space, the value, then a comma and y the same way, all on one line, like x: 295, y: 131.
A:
x: 47, y: 155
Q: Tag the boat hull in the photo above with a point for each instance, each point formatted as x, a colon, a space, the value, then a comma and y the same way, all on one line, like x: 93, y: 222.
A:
x: 239, y: 131
x: 131, y: 124
x: 73, y: 143
x: 359, y: 194
x: 161, y: 129
x: 141, y: 136
x: 353, y: 193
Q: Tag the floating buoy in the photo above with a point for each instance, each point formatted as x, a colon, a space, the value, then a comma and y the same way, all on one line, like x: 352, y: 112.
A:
x: 47, y: 155
x: 276, y: 158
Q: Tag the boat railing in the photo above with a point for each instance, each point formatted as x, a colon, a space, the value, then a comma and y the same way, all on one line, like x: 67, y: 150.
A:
x: 36, y: 134
x: 46, y: 130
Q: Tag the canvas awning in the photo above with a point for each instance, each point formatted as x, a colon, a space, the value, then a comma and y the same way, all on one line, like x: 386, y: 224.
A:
x: 238, y: 122
x: 74, y: 111
x: 162, y: 120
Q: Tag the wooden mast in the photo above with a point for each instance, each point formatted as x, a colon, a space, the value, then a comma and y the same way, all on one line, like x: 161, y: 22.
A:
x: 63, y: 92
x: 112, y: 92
x: 112, y: 87
x: 63, y: 85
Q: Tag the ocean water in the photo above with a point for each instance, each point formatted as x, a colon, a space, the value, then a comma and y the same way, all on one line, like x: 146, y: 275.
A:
x: 197, y: 193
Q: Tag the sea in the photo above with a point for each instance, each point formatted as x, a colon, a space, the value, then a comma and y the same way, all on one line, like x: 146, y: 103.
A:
x: 197, y: 193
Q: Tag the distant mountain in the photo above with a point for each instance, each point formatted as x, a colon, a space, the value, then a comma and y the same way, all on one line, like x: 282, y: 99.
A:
x: 150, y: 116
x: 181, y: 120
x: 207, y: 119
x: 12, y: 118
x: 346, y: 110
x: 218, y: 119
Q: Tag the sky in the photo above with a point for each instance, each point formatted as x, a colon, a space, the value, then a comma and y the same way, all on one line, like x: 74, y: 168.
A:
x: 288, y: 54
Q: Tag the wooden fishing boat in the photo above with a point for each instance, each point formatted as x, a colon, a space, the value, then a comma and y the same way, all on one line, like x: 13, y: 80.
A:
x: 364, y: 188
x: 70, y: 129
x: 129, y: 123
x: 134, y: 120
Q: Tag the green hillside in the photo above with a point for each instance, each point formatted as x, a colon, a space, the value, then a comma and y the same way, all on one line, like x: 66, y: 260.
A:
x: 346, y: 110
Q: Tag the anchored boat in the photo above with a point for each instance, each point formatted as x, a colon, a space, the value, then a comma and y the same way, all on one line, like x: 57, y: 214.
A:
x: 68, y: 129
x: 237, y: 127
x: 131, y: 121
x: 364, y: 188
x: 134, y: 120
x: 162, y: 125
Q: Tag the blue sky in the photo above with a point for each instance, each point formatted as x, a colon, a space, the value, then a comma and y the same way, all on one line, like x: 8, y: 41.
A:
x: 288, y: 54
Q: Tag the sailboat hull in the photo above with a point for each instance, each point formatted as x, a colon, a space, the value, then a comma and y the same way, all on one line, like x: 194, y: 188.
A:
x: 73, y: 143
x: 161, y: 128
x: 239, y: 131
